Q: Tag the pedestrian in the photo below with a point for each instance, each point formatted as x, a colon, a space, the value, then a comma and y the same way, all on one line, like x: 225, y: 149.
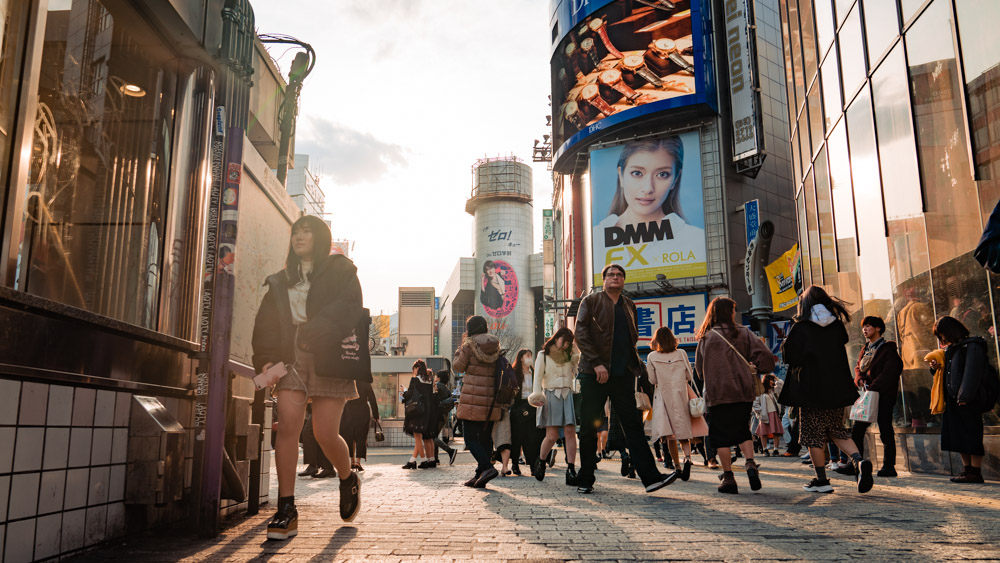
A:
x: 820, y: 383
x: 525, y: 435
x: 552, y: 387
x: 966, y: 367
x: 878, y: 369
x: 767, y: 411
x: 357, y: 419
x: 310, y: 308
x: 317, y: 465
x: 670, y: 372
x: 446, y: 401
x: 477, y: 408
x: 421, y: 416
x: 501, y: 441
x: 729, y: 357
x: 607, y: 331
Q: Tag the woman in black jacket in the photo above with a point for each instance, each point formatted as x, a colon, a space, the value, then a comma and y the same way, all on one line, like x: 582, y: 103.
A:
x: 422, y: 420
x: 820, y: 382
x: 965, y: 364
x: 356, y: 421
x: 307, y: 322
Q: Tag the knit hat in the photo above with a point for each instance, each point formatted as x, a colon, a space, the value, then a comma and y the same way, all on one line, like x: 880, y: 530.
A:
x: 475, y: 325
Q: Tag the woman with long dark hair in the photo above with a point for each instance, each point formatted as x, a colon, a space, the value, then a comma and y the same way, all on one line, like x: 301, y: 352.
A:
x: 729, y: 357
x: 421, y: 416
x: 310, y: 308
x: 965, y: 365
x: 552, y: 390
x: 821, y: 383
x: 525, y: 435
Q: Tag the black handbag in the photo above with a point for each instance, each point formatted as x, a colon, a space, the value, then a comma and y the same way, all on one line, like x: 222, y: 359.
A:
x: 379, y: 434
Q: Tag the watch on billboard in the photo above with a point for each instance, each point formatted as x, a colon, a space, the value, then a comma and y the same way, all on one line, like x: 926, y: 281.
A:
x: 624, y: 60
x: 648, y: 208
x: 499, y: 289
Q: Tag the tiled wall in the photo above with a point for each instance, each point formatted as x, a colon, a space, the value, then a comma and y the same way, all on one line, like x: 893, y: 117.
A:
x: 63, y: 467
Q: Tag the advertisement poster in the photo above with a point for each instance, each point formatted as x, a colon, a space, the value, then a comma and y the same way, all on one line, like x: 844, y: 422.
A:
x: 621, y: 61
x: 648, y: 209
x: 498, y: 290
x: 783, y: 277
x: 682, y: 314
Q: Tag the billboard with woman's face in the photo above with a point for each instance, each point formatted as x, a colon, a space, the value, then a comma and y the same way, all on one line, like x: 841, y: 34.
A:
x: 499, y: 288
x: 648, y: 208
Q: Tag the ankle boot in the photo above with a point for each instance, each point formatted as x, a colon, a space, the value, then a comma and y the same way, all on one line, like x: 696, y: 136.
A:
x: 571, y: 477
x: 728, y: 484
x: 971, y: 475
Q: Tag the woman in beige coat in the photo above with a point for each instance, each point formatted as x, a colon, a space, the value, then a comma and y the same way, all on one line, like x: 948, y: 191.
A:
x: 670, y: 371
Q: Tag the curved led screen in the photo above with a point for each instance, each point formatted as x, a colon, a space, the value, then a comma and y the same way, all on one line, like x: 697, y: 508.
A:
x: 621, y: 60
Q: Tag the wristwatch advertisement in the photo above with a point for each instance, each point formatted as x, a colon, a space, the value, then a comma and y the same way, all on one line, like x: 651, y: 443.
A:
x: 623, y: 55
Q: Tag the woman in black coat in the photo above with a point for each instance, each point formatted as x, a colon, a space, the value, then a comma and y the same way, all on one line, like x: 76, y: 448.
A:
x: 356, y: 421
x: 422, y: 419
x: 307, y: 323
x: 821, y: 384
x: 965, y: 365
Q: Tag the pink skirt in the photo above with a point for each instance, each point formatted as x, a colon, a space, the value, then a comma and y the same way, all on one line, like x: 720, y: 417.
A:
x: 771, y: 426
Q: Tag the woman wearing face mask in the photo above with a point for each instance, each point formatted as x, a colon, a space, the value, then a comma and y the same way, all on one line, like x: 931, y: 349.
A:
x: 310, y: 308
x: 422, y: 418
x: 648, y: 198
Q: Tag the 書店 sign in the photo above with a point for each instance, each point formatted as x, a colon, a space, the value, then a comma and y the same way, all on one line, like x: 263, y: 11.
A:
x: 682, y: 314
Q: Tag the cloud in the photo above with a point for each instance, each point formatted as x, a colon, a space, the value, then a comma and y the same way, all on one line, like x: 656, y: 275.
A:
x: 347, y: 155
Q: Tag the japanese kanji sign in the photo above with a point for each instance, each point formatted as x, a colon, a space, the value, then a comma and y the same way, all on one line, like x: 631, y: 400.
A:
x: 682, y: 314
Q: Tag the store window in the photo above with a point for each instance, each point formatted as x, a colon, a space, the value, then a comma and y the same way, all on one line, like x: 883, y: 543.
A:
x: 824, y: 26
x: 881, y: 27
x: 873, y: 264
x: 833, y: 103
x: 97, y: 192
x: 13, y: 15
x: 852, y: 54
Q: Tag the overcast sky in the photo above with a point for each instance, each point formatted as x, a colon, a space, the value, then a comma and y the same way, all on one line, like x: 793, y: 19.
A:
x: 405, y: 96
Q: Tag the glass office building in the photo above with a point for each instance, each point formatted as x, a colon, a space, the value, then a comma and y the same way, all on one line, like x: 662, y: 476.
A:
x: 894, y: 110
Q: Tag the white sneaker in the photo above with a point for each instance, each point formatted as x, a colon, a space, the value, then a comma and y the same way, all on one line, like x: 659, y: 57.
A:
x: 804, y: 456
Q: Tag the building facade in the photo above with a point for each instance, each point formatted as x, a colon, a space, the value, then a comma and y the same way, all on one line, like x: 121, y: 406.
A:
x: 893, y: 112
x: 654, y: 163
x: 111, y: 118
x: 303, y: 186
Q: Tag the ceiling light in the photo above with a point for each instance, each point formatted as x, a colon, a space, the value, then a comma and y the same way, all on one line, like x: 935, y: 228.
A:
x: 132, y: 90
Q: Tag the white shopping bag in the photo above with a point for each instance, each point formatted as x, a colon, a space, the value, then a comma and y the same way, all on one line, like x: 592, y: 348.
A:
x: 865, y: 409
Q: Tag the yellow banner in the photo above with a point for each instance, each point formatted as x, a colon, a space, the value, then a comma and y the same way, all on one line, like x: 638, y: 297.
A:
x: 782, y: 276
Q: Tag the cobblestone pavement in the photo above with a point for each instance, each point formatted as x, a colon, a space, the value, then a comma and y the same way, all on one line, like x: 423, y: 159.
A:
x: 427, y: 514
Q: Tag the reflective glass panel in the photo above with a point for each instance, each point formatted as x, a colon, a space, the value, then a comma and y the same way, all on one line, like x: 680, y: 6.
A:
x: 952, y: 217
x: 815, y: 249
x: 13, y: 17
x: 833, y: 104
x: 977, y: 27
x: 808, y: 39
x: 796, y: 40
x: 824, y: 26
x: 842, y: 7
x: 800, y: 203
x: 815, y: 116
x: 96, y: 197
x: 874, y: 257
x: 881, y: 27
x: 911, y: 7
x: 847, y: 243
x: 852, y: 54
x: 824, y: 213
x: 900, y: 179
x: 804, y: 140
x: 787, y: 50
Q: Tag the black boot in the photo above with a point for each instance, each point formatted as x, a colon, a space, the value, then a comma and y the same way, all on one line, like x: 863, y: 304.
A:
x: 538, y: 469
x: 571, y: 477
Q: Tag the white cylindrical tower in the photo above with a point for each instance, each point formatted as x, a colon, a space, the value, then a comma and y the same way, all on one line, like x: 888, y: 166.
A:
x: 501, y: 202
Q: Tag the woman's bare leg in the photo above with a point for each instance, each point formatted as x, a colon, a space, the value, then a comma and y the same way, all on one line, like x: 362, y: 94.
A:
x: 291, y: 415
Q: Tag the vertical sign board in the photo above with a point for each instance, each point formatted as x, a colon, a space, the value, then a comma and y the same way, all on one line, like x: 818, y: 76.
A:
x: 547, y: 230
x: 751, y: 217
x: 742, y: 95
x: 682, y: 314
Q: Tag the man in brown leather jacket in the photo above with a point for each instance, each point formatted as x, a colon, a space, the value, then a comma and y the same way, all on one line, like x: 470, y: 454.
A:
x: 606, y: 333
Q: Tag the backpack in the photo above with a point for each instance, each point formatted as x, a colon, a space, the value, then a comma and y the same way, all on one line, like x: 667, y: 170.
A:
x: 505, y: 386
x: 989, y: 388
